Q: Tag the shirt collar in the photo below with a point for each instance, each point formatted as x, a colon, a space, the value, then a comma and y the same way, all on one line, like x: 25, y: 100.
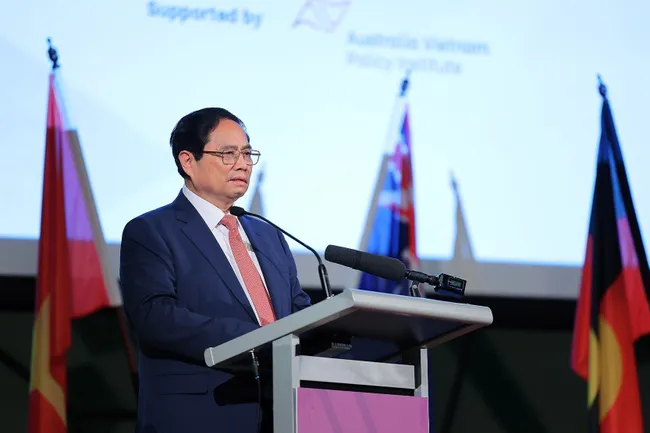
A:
x: 211, y: 214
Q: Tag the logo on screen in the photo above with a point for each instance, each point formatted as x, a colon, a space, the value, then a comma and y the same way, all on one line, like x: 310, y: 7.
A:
x: 322, y: 15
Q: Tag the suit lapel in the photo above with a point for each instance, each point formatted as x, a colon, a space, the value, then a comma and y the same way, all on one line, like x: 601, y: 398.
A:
x: 201, y: 236
x: 270, y: 264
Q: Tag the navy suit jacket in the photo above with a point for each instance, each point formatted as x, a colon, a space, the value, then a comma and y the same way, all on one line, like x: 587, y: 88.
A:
x: 181, y: 296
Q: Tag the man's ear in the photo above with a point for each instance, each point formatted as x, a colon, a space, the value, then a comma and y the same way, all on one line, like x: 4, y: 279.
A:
x: 186, y: 160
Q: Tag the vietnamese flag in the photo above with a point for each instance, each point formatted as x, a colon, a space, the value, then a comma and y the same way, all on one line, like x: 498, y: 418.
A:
x: 73, y: 278
x: 612, y: 310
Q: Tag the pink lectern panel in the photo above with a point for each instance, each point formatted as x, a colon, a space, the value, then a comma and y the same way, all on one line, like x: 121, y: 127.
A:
x: 327, y: 411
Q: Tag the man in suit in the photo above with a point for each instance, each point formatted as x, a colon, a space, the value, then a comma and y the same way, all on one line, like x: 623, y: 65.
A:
x: 193, y: 276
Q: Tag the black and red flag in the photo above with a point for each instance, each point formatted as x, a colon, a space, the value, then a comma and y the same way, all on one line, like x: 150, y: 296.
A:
x: 612, y: 311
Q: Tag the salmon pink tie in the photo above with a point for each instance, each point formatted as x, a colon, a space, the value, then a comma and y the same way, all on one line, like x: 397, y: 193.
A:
x: 249, y: 273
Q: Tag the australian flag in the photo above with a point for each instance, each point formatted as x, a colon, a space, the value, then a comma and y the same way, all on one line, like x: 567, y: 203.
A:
x: 393, y: 228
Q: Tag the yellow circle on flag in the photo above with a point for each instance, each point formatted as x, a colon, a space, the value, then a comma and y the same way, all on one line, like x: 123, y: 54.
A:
x: 605, y: 368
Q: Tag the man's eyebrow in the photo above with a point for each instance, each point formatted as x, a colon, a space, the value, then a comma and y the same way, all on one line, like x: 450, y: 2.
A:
x: 233, y: 147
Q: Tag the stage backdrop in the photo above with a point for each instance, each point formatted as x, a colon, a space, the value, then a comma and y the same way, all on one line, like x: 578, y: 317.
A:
x: 503, y: 95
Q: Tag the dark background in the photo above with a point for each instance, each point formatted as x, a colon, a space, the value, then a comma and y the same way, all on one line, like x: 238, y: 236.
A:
x: 513, y: 376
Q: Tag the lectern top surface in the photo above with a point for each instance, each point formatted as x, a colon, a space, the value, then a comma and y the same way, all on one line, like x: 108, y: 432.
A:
x: 402, y: 320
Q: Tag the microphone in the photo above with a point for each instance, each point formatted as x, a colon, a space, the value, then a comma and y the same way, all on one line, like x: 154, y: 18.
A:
x: 394, y: 270
x: 322, y: 270
x: 381, y: 266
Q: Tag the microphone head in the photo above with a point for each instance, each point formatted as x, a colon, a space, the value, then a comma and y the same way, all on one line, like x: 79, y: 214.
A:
x: 237, y: 211
x: 381, y: 266
x: 342, y: 256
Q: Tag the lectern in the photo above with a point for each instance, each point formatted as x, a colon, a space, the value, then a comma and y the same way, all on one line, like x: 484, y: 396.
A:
x: 378, y: 385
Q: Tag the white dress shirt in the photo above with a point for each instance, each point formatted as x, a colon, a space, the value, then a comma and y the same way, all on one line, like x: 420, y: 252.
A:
x: 212, y: 216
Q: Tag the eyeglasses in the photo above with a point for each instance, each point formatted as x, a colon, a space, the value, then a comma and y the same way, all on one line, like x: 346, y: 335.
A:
x: 230, y: 157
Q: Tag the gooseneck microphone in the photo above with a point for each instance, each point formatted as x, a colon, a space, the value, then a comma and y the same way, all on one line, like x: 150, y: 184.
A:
x: 393, y: 269
x: 322, y: 270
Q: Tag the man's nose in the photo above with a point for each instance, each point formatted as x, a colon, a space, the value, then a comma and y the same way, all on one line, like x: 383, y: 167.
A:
x: 240, y: 164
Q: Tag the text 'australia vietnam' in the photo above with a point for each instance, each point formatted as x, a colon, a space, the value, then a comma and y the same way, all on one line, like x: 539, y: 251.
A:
x: 426, y: 53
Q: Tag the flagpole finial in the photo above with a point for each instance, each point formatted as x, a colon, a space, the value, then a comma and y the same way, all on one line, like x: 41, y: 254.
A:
x: 602, y: 89
x: 405, y: 82
x: 52, y: 54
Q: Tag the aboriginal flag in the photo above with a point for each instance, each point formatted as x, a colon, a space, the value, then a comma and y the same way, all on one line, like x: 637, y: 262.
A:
x: 612, y: 310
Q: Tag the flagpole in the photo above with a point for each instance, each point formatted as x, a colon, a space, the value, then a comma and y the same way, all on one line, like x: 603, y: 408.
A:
x: 383, y: 168
x: 121, y: 316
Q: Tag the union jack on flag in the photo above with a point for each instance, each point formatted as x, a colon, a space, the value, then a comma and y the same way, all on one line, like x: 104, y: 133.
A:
x: 393, y: 229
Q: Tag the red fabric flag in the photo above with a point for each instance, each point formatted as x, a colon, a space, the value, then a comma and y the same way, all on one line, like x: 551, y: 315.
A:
x: 72, y: 279
x: 613, y: 310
